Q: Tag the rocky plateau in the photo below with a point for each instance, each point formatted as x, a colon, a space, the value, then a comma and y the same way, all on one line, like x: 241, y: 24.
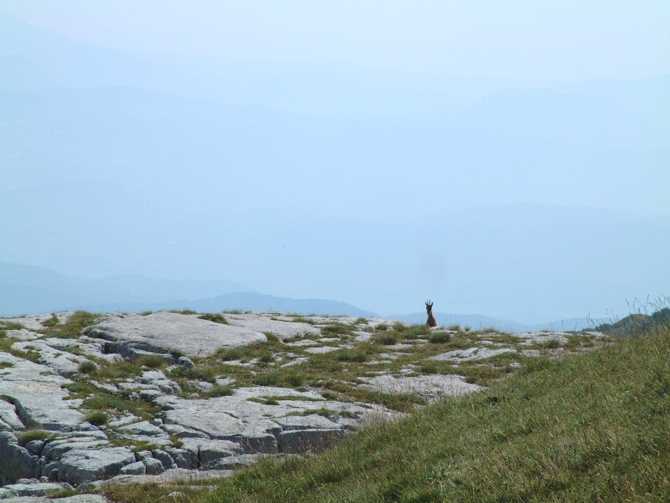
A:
x: 90, y: 400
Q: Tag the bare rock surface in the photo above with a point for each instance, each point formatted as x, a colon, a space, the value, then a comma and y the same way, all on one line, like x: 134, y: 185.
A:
x: 164, y: 331
x: 471, y: 354
x: 23, y: 334
x: 431, y: 387
x: 36, y: 321
x: 16, y: 462
x: 63, y: 363
x: 9, y: 419
x: 23, y: 490
x: 78, y: 498
x: 255, y: 426
x: 168, y: 476
x: 281, y: 327
x: 541, y: 337
x: 85, y: 465
x: 38, y: 395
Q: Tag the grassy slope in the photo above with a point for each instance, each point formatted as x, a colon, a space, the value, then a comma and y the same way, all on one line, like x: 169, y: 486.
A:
x: 589, y: 428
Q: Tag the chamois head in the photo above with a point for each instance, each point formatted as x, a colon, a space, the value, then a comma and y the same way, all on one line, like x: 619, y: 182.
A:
x: 432, y: 322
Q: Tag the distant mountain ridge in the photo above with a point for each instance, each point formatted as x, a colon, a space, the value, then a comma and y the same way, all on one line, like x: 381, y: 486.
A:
x: 32, y: 290
x: 29, y: 289
x: 244, y: 301
x: 478, y: 322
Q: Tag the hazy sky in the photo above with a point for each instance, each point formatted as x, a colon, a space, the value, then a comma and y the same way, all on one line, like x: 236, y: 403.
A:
x: 301, y: 177
x: 567, y: 40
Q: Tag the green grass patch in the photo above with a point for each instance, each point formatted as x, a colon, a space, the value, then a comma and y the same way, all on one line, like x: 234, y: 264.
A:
x: 385, y: 338
x: 414, y: 331
x: 302, y: 319
x: 264, y: 400
x: 73, y: 327
x: 95, y: 399
x: 10, y: 325
x: 579, y: 341
x: 216, y: 318
x: 97, y: 418
x: 87, y: 367
x: 200, y: 373
x: 51, y: 322
x: 440, y: 337
x: 30, y: 435
x: 151, y: 361
x: 350, y: 355
x: 429, y: 368
x: 337, y: 329
x: 550, y: 344
x: 219, y: 390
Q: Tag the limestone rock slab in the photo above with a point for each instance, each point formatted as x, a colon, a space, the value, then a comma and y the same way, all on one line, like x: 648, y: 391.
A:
x: 142, y: 428
x: 430, y: 387
x: 40, y: 489
x: 38, y: 396
x: 207, y: 451
x: 283, y: 327
x: 168, y: 476
x: 55, y: 449
x: 61, y: 362
x: 34, y: 322
x: 15, y: 461
x: 164, y: 331
x: 471, y: 354
x: 301, y: 441
x: 77, y: 466
x: 9, y: 417
x: 23, y: 334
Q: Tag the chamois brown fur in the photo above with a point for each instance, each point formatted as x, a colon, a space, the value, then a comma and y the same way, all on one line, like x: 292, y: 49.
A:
x: 432, y: 322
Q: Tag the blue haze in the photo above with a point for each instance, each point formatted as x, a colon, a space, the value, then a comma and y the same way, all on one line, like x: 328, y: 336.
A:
x: 504, y: 197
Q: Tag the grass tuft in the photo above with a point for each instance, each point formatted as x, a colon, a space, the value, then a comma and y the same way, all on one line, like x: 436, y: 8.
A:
x: 151, y: 361
x: 73, y: 327
x: 30, y: 435
x: 219, y: 390
x: 216, y: 318
x: 349, y: 355
x: 385, y: 338
x: 98, y: 418
x: 87, y: 367
x: 440, y: 337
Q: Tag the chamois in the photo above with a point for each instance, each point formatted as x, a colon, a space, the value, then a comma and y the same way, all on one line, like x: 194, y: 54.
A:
x: 432, y: 322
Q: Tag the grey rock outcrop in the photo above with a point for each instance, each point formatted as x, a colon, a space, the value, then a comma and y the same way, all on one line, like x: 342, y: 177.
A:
x: 78, y: 465
x: 430, y: 387
x: 188, y: 410
x: 16, y: 462
x: 282, y: 326
x: 38, y: 396
x: 27, y: 490
x: 164, y: 331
